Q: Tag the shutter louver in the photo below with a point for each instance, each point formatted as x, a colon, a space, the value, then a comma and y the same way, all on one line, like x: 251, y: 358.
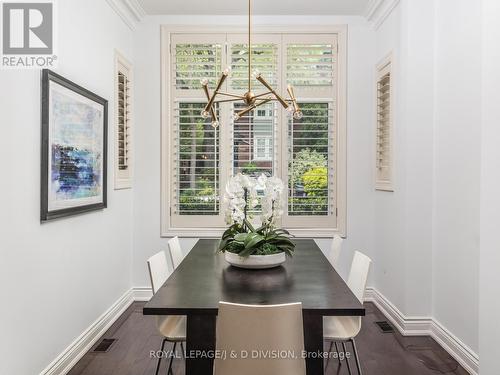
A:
x: 194, y: 62
x: 196, y: 157
x: 310, y: 64
x: 310, y: 161
x: 384, y: 136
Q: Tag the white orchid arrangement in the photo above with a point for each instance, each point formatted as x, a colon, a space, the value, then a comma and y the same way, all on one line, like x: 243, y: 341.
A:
x: 240, y: 198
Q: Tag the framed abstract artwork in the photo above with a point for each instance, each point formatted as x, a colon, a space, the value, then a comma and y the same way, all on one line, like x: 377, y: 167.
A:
x: 74, y: 148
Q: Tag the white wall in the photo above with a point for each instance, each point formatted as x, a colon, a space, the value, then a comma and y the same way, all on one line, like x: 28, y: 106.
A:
x: 426, y: 232
x: 457, y: 168
x: 58, y: 277
x: 403, y: 229
x: 490, y: 187
x: 360, y: 132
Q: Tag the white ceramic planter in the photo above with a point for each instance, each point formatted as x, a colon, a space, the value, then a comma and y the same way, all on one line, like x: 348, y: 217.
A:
x: 255, y: 261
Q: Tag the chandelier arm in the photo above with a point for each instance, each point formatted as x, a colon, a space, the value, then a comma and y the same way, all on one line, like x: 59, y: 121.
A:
x: 232, y: 95
x: 263, y: 94
x: 294, y: 99
x: 219, y: 85
x: 268, y: 86
x: 264, y: 101
x: 290, y: 91
x: 246, y: 110
x: 212, y: 110
x: 227, y: 100
x: 253, y: 106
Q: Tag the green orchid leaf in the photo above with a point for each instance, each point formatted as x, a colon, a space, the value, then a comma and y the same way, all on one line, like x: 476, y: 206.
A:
x: 252, y: 240
x: 241, y: 237
x: 249, y: 225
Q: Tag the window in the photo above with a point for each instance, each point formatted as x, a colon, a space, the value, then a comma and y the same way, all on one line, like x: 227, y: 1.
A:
x: 263, y: 148
x: 307, y: 154
x: 384, y: 156
x: 123, y: 123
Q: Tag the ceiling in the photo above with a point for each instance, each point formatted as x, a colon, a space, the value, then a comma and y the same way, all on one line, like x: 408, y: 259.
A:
x: 268, y: 7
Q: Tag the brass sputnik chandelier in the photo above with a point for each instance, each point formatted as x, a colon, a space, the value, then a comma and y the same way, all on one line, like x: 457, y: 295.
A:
x: 250, y: 99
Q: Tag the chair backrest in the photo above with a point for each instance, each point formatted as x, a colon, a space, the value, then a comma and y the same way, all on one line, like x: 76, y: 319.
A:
x: 175, y: 251
x: 335, y: 250
x: 260, y: 329
x: 158, y: 270
x: 359, y: 275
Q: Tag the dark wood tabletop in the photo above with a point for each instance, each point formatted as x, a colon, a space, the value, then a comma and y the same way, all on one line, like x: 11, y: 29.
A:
x: 204, y: 278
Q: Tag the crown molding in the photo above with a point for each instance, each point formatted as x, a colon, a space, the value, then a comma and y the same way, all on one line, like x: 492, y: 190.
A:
x: 377, y: 11
x: 130, y: 11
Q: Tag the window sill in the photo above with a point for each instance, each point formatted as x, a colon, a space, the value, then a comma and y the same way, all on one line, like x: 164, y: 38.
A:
x: 217, y: 233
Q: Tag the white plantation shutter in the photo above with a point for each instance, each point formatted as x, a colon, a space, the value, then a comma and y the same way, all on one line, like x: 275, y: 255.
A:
x: 123, y: 128
x: 196, y: 61
x: 311, y: 146
x: 196, y: 157
x: 264, y: 60
x: 195, y: 167
x: 195, y: 57
x: 384, y: 128
x: 311, y: 157
x: 310, y: 64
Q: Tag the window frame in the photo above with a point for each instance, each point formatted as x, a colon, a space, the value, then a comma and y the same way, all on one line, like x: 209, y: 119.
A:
x: 167, y: 31
x: 384, y: 67
x: 267, y: 147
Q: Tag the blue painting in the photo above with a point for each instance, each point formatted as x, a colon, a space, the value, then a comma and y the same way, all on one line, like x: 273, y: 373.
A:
x: 75, y: 149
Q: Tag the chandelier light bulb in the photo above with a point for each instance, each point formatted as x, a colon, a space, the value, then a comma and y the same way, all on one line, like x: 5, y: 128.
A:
x: 204, y: 81
x: 289, y: 108
x: 227, y: 71
x: 205, y: 114
x: 236, y: 117
x: 215, y: 124
x: 256, y: 74
x: 297, y: 115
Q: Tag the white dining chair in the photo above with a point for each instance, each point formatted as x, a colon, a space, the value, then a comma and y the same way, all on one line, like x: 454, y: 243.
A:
x: 335, y: 250
x: 175, y: 251
x: 173, y: 328
x: 261, y: 328
x: 346, y: 328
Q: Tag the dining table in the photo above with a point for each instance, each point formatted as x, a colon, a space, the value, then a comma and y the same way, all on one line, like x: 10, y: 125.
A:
x: 204, y: 278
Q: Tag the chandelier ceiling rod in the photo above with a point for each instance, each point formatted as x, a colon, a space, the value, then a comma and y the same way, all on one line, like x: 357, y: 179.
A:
x: 250, y: 99
x: 249, y: 45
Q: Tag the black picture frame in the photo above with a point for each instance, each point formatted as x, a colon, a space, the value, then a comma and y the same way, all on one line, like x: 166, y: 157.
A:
x: 47, y: 77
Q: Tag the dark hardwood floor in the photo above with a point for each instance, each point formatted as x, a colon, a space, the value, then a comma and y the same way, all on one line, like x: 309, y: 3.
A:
x: 381, y: 353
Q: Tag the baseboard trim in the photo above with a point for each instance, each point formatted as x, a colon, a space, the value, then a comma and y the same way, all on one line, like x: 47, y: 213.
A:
x: 82, y: 344
x: 426, y: 326
x: 142, y: 293
x: 407, y: 326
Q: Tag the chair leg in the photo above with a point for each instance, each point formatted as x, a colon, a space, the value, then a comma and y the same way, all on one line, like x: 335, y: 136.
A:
x: 356, y: 356
x: 161, y: 356
x: 169, y: 371
x: 338, y: 352
x: 329, y: 352
x: 347, y: 359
